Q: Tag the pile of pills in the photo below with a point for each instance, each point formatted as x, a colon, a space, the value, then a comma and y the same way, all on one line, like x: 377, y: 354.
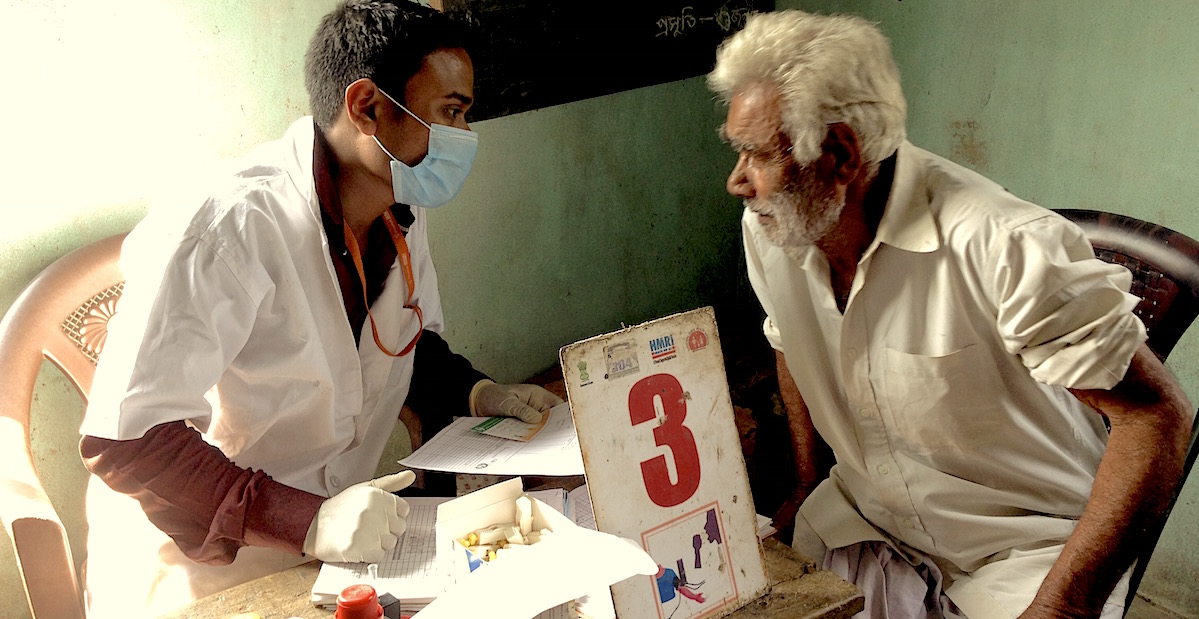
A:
x: 488, y: 541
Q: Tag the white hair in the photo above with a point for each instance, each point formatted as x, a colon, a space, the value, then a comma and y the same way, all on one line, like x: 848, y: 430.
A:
x: 828, y: 68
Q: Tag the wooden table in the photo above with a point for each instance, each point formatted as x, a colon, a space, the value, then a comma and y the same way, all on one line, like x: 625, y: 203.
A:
x: 798, y: 591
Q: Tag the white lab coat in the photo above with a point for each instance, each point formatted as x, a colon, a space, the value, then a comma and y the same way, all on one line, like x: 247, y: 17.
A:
x: 232, y: 319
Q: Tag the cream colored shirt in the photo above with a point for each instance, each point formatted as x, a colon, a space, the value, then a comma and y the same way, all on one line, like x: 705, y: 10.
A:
x: 943, y: 388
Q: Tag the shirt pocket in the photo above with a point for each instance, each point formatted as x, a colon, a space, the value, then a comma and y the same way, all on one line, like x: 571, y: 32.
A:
x: 942, y: 404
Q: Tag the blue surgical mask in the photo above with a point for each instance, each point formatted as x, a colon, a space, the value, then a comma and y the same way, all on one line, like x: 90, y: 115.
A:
x: 440, y: 175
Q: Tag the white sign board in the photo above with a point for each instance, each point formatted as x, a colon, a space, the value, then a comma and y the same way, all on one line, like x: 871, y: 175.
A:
x: 664, y: 465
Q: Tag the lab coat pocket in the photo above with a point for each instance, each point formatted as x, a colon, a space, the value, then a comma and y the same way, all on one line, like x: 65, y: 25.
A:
x: 939, y: 403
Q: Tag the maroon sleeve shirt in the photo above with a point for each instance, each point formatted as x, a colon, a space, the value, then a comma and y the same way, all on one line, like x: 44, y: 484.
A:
x: 194, y: 493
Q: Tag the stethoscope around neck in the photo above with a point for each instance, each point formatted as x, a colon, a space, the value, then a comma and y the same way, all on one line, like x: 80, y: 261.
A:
x: 405, y: 258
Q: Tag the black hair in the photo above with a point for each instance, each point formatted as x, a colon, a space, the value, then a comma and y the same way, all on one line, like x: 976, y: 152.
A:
x: 384, y: 40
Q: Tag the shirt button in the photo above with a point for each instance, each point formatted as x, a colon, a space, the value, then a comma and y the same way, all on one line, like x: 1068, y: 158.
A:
x: 853, y: 351
x: 908, y: 523
x: 335, y: 481
x: 864, y: 412
x: 883, y: 469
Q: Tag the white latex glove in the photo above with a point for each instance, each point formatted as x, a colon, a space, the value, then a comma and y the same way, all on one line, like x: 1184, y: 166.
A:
x: 525, y: 402
x: 362, y: 523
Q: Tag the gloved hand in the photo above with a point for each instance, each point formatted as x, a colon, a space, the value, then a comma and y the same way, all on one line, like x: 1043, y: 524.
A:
x: 525, y: 402
x: 362, y: 523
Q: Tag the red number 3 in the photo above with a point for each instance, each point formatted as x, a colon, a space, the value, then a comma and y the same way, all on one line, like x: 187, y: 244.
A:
x: 670, y: 433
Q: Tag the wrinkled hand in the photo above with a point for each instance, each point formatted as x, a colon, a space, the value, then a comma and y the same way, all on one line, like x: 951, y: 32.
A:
x: 525, y: 402
x: 362, y: 523
x: 784, y: 520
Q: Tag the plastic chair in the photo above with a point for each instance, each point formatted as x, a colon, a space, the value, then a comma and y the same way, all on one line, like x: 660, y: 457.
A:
x: 1165, y: 274
x: 62, y: 316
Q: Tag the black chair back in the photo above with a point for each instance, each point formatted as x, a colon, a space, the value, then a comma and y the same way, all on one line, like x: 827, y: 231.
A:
x: 1165, y: 275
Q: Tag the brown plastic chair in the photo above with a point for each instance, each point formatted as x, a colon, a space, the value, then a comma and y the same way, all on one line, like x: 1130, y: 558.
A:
x: 62, y: 316
x: 1165, y: 274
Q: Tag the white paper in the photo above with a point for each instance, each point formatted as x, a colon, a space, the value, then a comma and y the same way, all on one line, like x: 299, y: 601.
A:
x: 554, y: 497
x: 459, y: 449
x: 575, y: 504
x: 579, y: 509
x: 765, y: 527
x: 577, y: 583
x: 526, y: 580
x: 410, y: 572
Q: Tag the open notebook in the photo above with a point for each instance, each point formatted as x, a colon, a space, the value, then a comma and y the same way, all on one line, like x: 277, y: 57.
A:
x: 409, y: 572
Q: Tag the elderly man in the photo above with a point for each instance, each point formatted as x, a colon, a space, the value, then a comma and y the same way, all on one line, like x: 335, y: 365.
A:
x: 958, y: 348
x: 273, y: 325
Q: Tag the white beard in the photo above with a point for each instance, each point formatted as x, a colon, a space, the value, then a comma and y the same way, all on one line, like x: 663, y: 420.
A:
x: 798, y: 216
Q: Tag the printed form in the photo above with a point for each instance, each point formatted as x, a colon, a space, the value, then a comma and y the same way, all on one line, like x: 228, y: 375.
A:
x: 460, y: 449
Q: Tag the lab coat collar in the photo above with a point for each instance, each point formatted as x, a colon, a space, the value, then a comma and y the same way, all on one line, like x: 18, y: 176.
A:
x: 324, y: 168
x: 300, y: 139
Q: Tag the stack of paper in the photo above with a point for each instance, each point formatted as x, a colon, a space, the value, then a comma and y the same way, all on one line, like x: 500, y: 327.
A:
x: 765, y: 527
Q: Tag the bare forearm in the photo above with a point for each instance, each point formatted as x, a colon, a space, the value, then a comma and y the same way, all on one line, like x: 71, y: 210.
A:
x: 811, y: 464
x: 1150, y: 427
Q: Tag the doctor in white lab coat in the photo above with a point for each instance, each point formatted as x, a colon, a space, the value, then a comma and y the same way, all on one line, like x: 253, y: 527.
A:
x: 273, y: 325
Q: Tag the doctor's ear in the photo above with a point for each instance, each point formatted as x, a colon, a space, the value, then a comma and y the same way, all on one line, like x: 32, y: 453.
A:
x: 362, y: 103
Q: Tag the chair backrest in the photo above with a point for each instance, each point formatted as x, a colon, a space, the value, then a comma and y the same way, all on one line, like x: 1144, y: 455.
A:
x: 1164, y: 266
x: 61, y: 316
x: 1165, y: 275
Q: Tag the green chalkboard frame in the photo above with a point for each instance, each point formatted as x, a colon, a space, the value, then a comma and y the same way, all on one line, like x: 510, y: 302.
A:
x: 531, y: 54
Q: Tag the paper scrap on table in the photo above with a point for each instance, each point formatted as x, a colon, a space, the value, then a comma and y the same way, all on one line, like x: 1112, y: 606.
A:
x: 765, y: 527
x: 459, y: 449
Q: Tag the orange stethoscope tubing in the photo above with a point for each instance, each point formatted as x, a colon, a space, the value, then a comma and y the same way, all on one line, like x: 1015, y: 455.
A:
x: 397, y: 237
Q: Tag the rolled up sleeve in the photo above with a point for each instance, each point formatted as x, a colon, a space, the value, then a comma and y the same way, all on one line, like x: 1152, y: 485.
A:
x: 1065, y: 313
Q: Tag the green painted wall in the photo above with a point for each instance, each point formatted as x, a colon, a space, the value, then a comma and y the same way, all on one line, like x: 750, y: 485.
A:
x: 577, y: 218
x: 583, y: 216
x: 1070, y: 104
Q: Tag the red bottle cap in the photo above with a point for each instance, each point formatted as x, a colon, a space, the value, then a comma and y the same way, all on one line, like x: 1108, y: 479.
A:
x: 358, y: 602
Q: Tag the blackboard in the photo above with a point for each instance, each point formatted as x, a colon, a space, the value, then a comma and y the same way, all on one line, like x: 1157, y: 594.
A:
x: 530, y: 54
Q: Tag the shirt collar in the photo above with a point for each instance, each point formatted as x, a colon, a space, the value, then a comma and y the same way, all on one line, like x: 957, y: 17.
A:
x: 907, y: 221
x: 324, y: 166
